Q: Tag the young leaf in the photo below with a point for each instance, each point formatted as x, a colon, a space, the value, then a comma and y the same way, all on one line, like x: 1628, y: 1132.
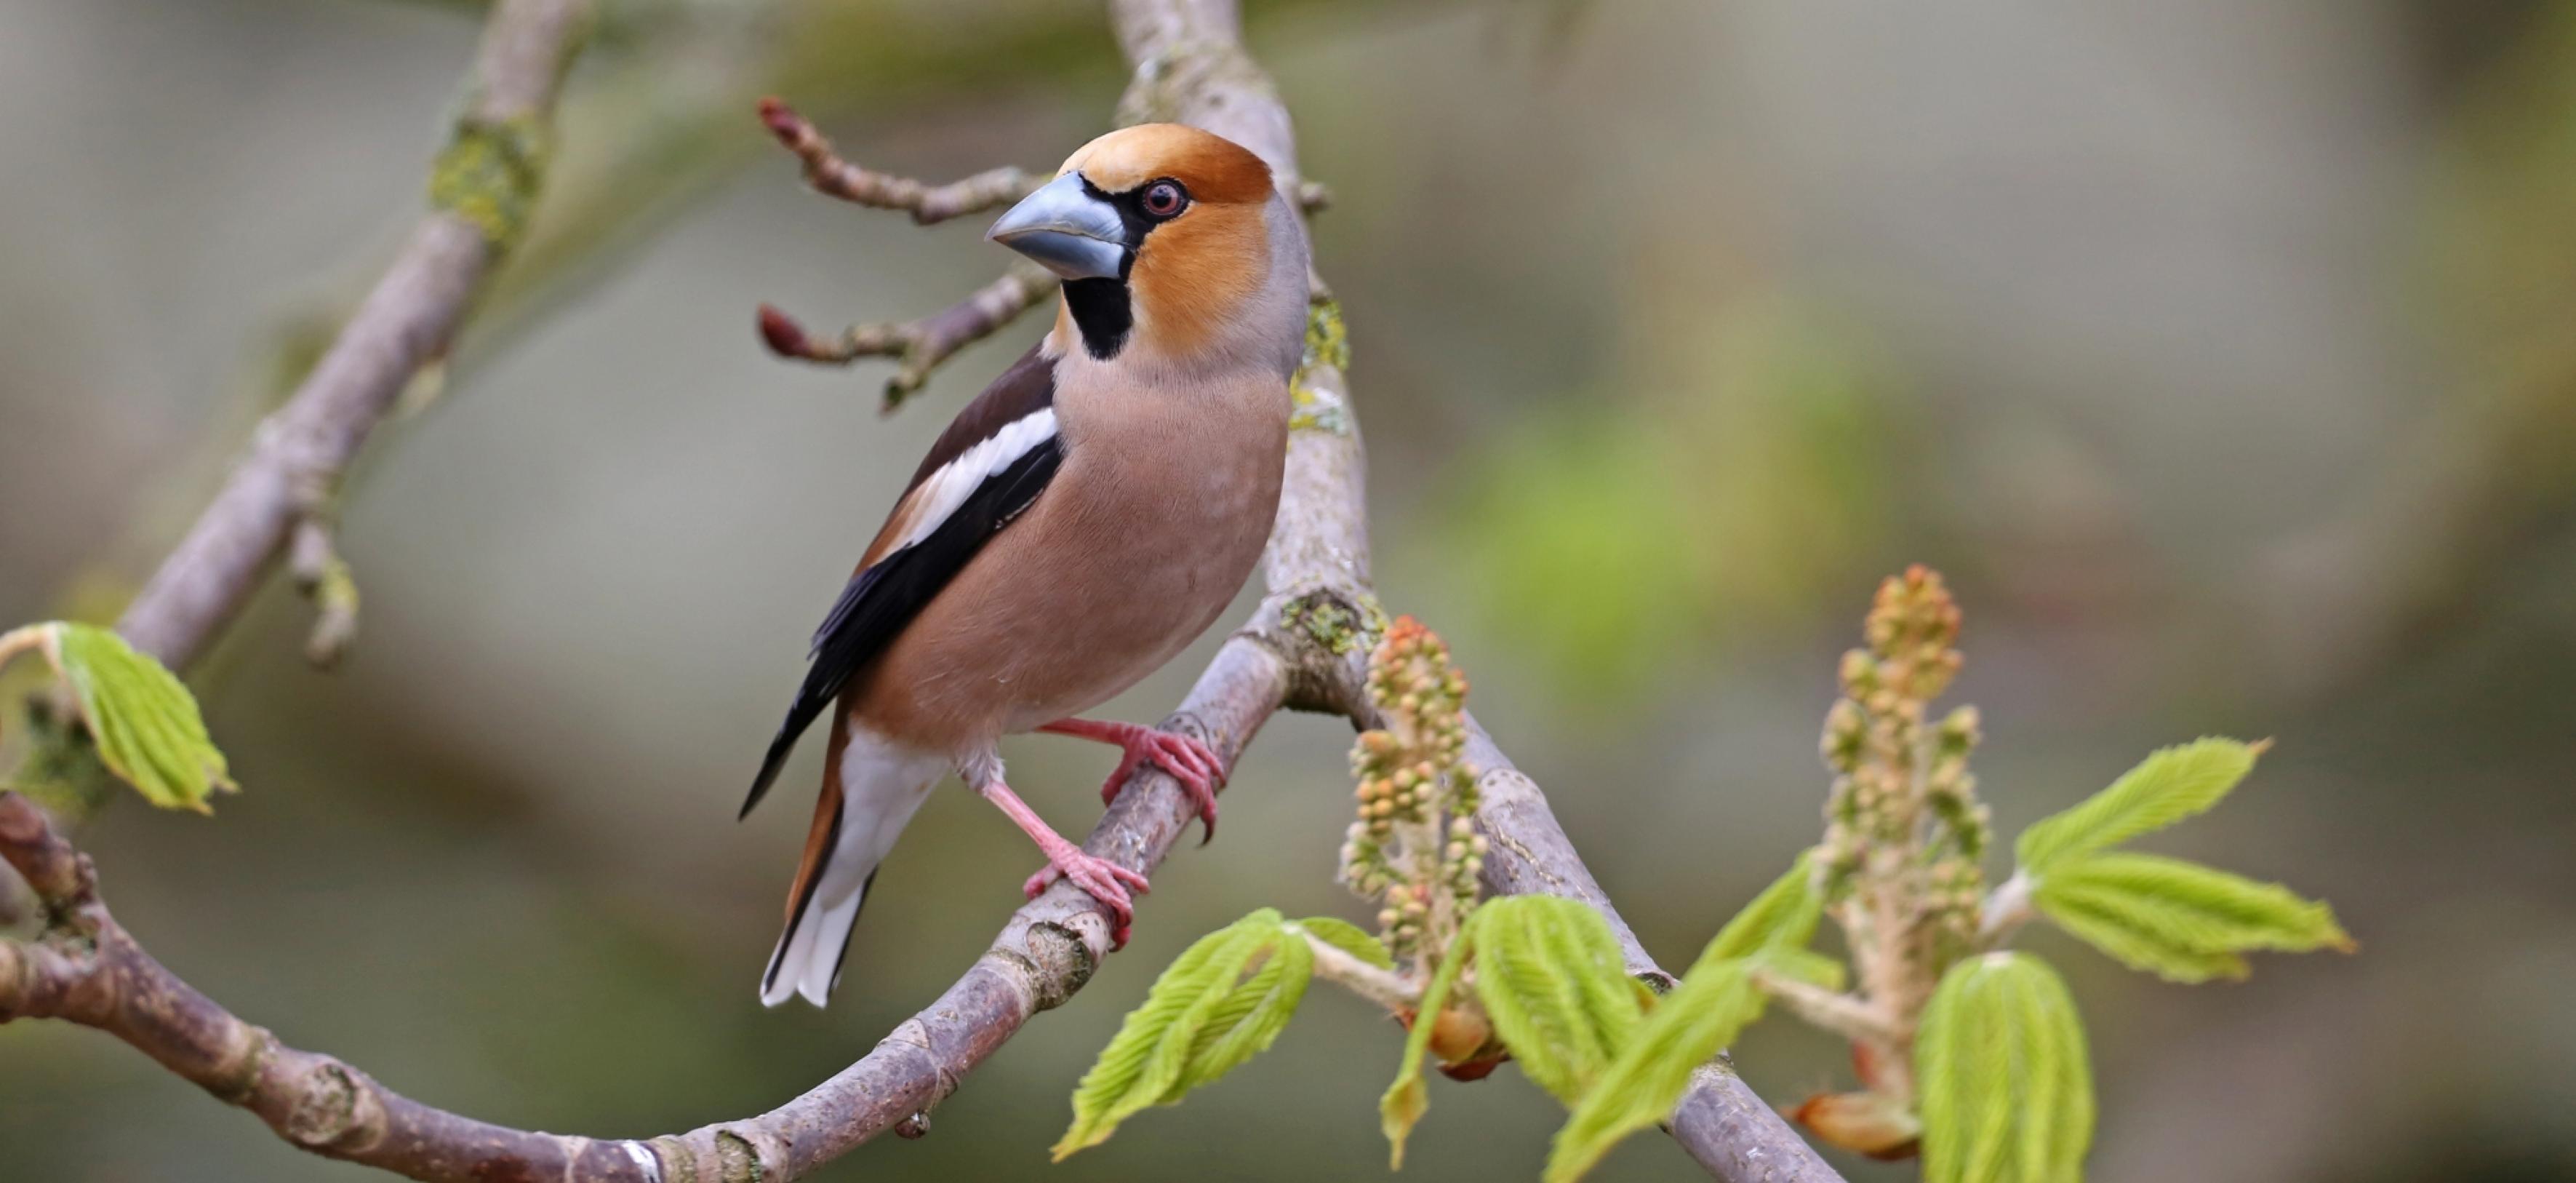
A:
x: 2180, y: 920
x: 1250, y: 1018
x: 2169, y: 785
x: 1784, y: 915
x: 1406, y: 1099
x: 1151, y: 1052
x: 1716, y: 1000
x: 2115, y: 936
x: 141, y: 718
x: 1805, y: 965
x: 1685, y: 1030
x: 1549, y: 974
x: 1615, y: 1002
x: 1347, y: 937
x: 2007, y: 1090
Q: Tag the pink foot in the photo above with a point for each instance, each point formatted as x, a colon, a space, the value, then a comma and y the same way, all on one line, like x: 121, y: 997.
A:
x: 1107, y: 882
x: 1189, y: 761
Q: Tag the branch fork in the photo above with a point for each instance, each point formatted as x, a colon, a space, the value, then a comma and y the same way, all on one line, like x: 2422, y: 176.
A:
x: 919, y: 345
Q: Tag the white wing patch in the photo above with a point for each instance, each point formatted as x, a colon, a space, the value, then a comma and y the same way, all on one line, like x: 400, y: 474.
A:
x: 943, y: 491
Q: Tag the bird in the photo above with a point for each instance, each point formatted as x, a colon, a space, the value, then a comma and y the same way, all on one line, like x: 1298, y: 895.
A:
x: 1080, y: 522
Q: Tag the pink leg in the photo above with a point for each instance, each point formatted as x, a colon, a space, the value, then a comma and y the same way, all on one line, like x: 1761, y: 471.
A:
x: 1106, y: 881
x: 1190, y: 762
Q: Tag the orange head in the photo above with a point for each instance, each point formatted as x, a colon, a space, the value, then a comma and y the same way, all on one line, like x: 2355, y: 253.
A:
x: 1160, y: 231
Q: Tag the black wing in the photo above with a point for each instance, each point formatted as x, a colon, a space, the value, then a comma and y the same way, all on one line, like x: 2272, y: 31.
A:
x: 886, y: 594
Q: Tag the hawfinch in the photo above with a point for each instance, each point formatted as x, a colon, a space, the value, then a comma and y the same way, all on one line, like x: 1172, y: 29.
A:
x: 1082, y: 521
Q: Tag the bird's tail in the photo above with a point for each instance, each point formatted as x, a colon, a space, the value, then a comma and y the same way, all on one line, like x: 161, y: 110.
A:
x: 870, y: 789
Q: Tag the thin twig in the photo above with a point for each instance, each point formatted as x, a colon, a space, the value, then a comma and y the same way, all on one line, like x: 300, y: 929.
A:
x: 313, y: 558
x: 1846, y: 1015
x: 481, y: 190
x: 1384, y: 987
x: 834, y: 177
x: 2006, y: 909
x: 921, y: 345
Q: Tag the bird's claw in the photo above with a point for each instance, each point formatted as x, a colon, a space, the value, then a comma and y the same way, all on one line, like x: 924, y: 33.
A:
x: 1188, y: 760
x: 1106, y: 882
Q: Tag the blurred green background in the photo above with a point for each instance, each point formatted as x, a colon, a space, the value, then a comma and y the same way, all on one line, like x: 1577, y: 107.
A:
x: 2221, y: 353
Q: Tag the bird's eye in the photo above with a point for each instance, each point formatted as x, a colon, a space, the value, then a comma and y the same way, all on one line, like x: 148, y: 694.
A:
x: 1164, y: 199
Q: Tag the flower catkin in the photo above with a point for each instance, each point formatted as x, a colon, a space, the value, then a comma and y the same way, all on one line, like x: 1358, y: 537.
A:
x: 1904, y: 829
x: 1414, y: 847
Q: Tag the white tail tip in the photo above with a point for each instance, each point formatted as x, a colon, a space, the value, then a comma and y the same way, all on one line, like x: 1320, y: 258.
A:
x: 807, y: 961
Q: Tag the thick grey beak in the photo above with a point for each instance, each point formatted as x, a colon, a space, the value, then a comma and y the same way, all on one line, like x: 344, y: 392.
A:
x: 1067, y: 230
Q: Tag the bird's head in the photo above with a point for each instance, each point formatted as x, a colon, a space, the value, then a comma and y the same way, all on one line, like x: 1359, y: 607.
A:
x: 1168, y: 238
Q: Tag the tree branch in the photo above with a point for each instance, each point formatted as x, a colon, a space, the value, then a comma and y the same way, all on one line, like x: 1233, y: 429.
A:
x: 920, y: 344
x: 87, y: 970
x: 1304, y: 647
x: 924, y: 343
x: 480, y: 191
x: 832, y: 176
x: 1720, y: 1122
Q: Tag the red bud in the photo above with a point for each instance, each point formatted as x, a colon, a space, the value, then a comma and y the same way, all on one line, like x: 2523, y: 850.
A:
x: 782, y: 334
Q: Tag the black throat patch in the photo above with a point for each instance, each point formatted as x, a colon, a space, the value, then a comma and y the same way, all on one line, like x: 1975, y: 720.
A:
x: 1101, y: 309
x: 1104, y: 309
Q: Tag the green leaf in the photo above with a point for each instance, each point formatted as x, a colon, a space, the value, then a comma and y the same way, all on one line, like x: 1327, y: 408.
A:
x: 1716, y: 1000
x: 1613, y: 1001
x: 1550, y: 976
x: 1406, y: 1099
x: 2007, y: 1089
x: 1685, y: 1030
x: 2114, y: 936
x: 1250, y: 1019
x: 1146, y: 1062
x: 1805, y: 965
x: 1783, y: 916
x: 2180, y: 920
x: 2169, y: 785
x: 1347, y: 937
x: 141, y: 718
